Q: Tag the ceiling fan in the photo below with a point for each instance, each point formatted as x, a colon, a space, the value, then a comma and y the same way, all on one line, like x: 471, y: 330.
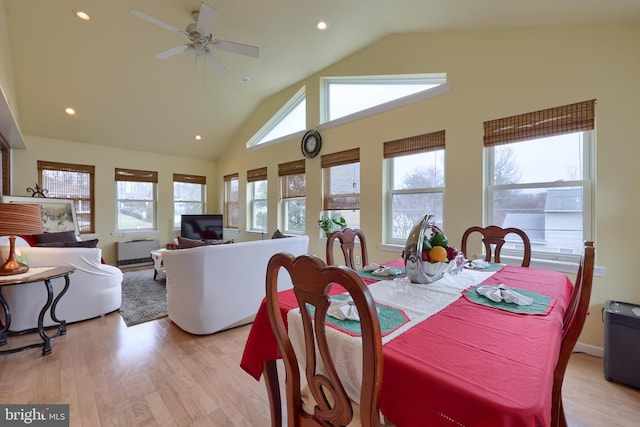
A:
x: 200, y: 38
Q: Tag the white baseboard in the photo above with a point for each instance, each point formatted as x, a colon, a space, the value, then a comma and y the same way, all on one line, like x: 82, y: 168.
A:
x: 589, y: 349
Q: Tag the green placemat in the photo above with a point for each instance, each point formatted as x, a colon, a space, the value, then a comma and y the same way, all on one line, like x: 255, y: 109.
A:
x: 390, y: 319
x: 491, y: 267
x: 541, y: 305
x: 368, y: 275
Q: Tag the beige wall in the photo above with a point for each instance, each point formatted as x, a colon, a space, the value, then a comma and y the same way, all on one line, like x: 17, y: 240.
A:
x: 106, y: 160
x: 492, y: 74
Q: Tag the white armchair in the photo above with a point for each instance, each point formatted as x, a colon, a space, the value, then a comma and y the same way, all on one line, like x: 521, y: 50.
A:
x: 95, y: 289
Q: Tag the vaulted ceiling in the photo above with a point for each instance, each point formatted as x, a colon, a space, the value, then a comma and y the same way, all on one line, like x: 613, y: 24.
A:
x: 125, y: 97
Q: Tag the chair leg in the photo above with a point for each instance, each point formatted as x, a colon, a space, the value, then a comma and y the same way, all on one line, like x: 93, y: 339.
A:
x: 270, y: 375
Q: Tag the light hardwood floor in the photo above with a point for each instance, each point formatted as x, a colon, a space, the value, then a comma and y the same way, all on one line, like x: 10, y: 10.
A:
x: 154, y: 374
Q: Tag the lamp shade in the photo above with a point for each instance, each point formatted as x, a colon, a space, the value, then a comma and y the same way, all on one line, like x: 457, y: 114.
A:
x: 18, y: 218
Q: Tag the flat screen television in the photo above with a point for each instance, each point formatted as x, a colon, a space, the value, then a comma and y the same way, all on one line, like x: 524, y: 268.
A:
x: 202, y: 227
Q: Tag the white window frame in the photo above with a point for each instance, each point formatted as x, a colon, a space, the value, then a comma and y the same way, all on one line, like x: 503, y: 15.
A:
x: 253, y: 200
x: 201, y: 201
x: 259, y: 139
x: 438, y: 81
x: 588, y: 166
x: 392, y: 192
x: 154, y: 201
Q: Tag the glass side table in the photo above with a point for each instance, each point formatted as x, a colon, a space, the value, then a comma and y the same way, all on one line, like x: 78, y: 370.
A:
x: 36, y: 274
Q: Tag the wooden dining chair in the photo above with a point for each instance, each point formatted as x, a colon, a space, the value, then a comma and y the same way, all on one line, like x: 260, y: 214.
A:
x: 494, y: 237
x: 574, y: 318
x: 331, y: 406
x: 347, y: 238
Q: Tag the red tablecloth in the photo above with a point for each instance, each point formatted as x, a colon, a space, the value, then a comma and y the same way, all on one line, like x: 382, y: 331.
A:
x: 475, y: 365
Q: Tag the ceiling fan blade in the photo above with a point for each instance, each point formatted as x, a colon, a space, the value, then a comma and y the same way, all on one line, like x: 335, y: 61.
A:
x: 215, y: 62
x: 172, y: 51
x: 157, y: 22
x: 242, y: 49
x: 206, y: 18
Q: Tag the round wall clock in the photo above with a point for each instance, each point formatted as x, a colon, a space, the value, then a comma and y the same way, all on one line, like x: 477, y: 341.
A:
x: 311, y: 144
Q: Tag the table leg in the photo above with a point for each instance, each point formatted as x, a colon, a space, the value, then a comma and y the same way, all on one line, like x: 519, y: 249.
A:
x: 270, y: 374
x: 62, y: 328
x: 46, y: 341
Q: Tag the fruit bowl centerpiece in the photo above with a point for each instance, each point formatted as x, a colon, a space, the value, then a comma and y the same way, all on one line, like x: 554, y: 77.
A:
x: 427, y: 253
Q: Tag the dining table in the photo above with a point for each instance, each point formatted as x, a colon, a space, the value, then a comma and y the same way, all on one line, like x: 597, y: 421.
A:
x: 465, y: 361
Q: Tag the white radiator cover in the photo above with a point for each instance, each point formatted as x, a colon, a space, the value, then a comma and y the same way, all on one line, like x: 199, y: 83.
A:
x: 133, y: 253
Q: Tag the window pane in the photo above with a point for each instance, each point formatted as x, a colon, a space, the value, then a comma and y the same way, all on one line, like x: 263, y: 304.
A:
x: 350, y: 97
x: 294, y: 215
x: 422, y: 170
x: 551, y: 217
x: 183, y: 191
x: 558, y: 158
x: 187, y: 200
x: 136, y: 205
x: 408, y: 209
x: 259, y: 215
x: 135, y: 215
x: 260, y: 190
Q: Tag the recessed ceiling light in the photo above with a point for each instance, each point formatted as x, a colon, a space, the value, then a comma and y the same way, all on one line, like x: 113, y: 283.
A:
x: 198, y: 137
x: 322, y: 25
x: 70, y: 111
x: 82, y: 15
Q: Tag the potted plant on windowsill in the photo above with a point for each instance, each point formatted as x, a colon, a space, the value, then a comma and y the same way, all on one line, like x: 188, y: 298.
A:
x: 328, y: 224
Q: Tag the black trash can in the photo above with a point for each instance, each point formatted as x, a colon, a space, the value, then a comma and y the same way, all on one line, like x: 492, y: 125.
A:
x: 622, y: 343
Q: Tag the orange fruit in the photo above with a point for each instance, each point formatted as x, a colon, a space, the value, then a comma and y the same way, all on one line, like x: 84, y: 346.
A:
x: 438, y: 254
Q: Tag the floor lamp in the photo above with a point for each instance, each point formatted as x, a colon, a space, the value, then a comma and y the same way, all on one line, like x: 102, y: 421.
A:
x: 17, y: 219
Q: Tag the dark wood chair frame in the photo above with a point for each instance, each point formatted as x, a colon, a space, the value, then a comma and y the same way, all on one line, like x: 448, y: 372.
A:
x: 312, y: 279
x: 494, y: 236
x: 347, y: 238
x: 574, y: 318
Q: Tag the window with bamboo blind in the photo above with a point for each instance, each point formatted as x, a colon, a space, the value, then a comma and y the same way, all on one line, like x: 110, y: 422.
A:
x: 293, y: 191
x: 189, y: 192
x: 136, y: 200
x: 415, y: 182
x: 231, y: 201
x: 341, y: 185
x: 539, y: 178
x: 74, y: 182
x: 257, y: 190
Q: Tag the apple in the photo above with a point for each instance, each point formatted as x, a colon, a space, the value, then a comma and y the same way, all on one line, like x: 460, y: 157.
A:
x: 451, y: 252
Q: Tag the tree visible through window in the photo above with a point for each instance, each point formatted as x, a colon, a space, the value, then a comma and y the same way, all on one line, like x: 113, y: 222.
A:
x: 135, y: 200
x: 415, y: 170
x: 293, y: 189
x: 231, y: 201
x: 257, y: 189
x: 188, y: 196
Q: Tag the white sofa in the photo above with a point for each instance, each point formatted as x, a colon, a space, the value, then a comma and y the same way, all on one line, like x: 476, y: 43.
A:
x: 95, y: 289
x: 217, y: 287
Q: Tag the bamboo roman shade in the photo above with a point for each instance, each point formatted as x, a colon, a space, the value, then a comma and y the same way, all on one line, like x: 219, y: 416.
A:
x: 292, y: 179
x: 189, y: 179
x: 230, y: 177
x: 259, y: 174
x: 340, y: 158
x: 136, y: 175
x: 414, y: 144
x: 540, y: 124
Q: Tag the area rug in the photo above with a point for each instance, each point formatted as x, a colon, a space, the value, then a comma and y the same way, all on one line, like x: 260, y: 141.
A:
x: 143, y: 299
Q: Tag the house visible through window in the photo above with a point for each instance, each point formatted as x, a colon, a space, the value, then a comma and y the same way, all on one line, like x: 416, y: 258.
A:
x: 539, y: 175
x: 188, y: 196
x: 231, y: 201
x: 293, y: 188
x: 415, y: 176
x: 257, y: 189
x: 71, y: 181
x: 341, y: 186
x: 136, y: 200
